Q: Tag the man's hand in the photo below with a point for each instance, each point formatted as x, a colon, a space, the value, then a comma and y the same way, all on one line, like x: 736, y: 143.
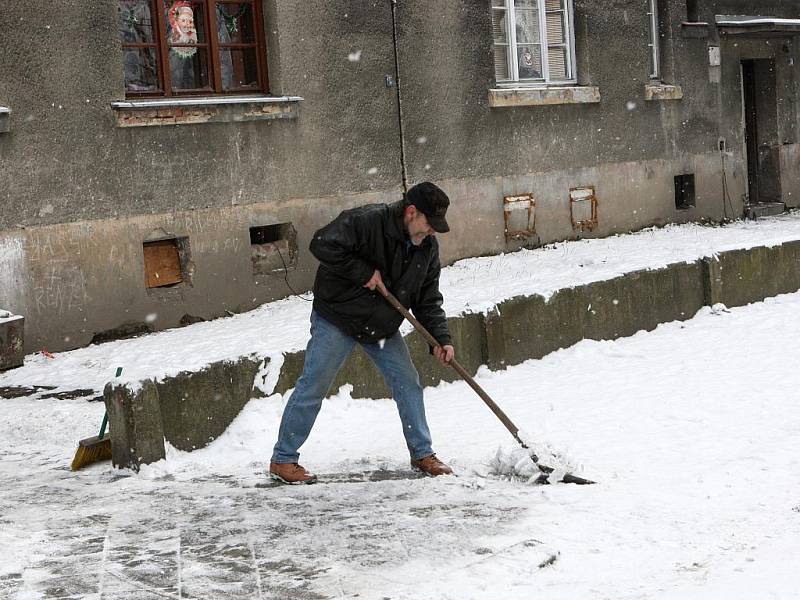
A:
x: 444, y: 354
x: 375, y: 282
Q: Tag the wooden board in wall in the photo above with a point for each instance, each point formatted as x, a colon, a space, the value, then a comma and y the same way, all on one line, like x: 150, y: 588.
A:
x: 162, y: 263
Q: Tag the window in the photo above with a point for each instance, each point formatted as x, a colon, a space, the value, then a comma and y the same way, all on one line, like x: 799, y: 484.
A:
x: 653, y: 43
x: 168, y: 49
x: 533, y: 42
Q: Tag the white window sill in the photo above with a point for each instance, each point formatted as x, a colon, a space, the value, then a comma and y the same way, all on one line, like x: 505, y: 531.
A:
x: 543, y: 96
x: 212, y: 109
x: 662, y: 91
x: 5, y: 119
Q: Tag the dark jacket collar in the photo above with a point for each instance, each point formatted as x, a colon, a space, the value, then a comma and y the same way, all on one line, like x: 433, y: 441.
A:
x: 394, y: 227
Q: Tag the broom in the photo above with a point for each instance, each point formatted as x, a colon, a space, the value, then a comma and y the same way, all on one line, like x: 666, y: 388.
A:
x: 97, y: 448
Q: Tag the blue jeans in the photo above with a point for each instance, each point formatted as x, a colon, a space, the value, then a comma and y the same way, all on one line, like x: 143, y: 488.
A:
x: 326, y: 352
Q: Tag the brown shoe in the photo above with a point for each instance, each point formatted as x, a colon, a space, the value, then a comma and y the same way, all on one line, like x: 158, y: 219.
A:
x: 290, y: 473
x: 432, y: 466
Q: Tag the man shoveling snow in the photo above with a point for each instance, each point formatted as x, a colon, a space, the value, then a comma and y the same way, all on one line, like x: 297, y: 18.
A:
x: 363, y: 253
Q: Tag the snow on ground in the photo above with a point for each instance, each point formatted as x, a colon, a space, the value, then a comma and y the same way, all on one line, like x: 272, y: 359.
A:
x: 691, y: 431
x: 471, y: 285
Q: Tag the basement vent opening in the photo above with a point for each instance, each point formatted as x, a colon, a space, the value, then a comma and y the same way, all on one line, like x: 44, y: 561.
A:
x: 273, y: 249
x: 519, y: 213
x: 583, y: 208
x: 684, y: 191
x: 166, y: 262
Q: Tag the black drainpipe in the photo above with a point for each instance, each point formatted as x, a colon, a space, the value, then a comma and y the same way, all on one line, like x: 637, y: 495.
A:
x: 399, y: 97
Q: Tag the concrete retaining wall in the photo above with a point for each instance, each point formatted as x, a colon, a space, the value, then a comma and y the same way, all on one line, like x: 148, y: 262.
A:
x: 739, y: 277
x: 11, y: 340
x: 194, y: 408
x: 188, y: 411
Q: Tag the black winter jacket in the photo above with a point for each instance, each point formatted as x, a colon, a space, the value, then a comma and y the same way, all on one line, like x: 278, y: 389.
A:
x: 349, y: 250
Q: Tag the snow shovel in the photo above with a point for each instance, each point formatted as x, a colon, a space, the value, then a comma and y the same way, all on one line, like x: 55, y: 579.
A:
x: 513, y: 429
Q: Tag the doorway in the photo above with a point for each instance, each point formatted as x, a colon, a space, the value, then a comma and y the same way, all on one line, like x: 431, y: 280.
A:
x: 760, y: 115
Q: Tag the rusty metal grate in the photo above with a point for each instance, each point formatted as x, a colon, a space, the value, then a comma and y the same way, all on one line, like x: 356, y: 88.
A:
x: 519, y: 213
x: 583, y: 208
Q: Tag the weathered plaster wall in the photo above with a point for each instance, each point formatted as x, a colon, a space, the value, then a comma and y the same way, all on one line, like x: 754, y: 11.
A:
x: 446, y: 49
x: 628, y: 148
x: 78, y: 195
x: 77, y: 280
x: 65, y: 160
x: 631, y: 195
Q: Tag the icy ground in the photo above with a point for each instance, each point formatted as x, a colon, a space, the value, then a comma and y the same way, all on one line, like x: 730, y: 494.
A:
x: 691, y: 430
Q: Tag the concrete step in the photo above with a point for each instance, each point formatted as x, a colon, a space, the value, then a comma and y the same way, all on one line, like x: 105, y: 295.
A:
x: 764, y: 209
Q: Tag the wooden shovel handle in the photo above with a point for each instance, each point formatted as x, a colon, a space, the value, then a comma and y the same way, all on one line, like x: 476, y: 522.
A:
x: 513, y: 429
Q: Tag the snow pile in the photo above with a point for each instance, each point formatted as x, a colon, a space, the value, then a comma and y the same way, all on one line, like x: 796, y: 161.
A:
x: 523, y: 463
x: 6, y: 315
x: 516, y: 463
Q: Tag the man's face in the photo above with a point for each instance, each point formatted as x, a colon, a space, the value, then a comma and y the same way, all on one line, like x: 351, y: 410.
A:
x: 417, y: 225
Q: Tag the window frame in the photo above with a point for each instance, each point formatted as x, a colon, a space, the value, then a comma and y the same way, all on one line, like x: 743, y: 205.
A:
x: 212, y: 44
x: 568, y: 19
x: 654, y: 41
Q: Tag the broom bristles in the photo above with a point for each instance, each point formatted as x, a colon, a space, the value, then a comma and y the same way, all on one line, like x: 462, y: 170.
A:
x: 92, y: 450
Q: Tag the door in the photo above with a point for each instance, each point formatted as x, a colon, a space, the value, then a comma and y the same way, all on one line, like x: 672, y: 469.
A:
x: 760, y: 108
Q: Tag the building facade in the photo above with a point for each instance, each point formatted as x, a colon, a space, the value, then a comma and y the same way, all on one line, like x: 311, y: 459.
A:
x: 165, y: 161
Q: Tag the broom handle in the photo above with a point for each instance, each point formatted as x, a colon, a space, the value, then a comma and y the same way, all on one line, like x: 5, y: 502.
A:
x: 105, y: 416
x: 513, y: 429
x: 103, y: 426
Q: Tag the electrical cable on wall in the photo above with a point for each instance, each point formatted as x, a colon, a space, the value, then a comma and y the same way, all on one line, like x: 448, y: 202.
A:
x: 403, y: 171
x: 726, y: 197
x: 286, y: 278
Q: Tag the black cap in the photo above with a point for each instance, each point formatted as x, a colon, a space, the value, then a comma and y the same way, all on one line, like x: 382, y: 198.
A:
x: 432, y: 202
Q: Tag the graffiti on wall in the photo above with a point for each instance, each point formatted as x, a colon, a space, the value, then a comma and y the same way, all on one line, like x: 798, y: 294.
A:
x: 61, y: 290
x: 55, y: 268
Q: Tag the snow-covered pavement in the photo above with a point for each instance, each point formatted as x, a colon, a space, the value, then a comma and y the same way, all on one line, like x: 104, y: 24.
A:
x: 691, y: 430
